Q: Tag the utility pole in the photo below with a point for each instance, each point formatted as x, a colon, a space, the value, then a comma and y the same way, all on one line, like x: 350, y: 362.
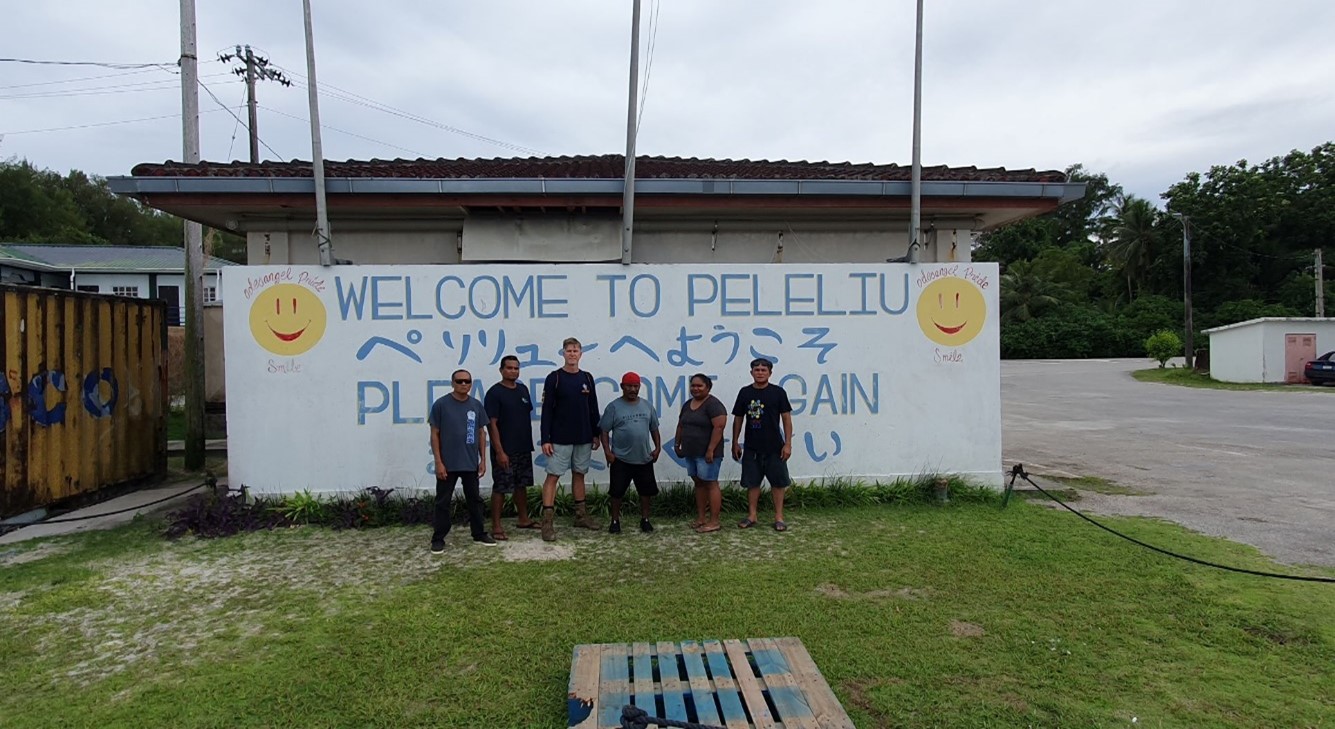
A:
x: 322, y: 238
x: 632, y: 129
x: 194, y: 250
x: 915, y: 194
x: 1320, y: 286
x: 254, y: 68
x: 1186, y: 288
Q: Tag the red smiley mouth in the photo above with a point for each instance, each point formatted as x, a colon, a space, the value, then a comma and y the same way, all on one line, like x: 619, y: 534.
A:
x: 951, y: 330
x: 282, y: 337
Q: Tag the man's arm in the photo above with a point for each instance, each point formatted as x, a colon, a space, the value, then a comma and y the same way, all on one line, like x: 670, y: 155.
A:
x: 593, y: 412
x: 548, y: 415
x: 494, y: 429
x: 737, y: 437
x: 787, y: 451
x: 607, y: 447
x: 435, y: 451
x: 482, y: 451
x: 658, y: 445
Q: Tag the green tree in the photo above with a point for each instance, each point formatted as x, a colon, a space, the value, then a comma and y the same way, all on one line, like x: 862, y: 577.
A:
x: 1163, y: 346
x: 1025, y: 294
x: 1133, y: 241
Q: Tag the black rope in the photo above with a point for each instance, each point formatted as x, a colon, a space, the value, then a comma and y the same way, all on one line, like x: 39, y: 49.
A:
x: 208, y: 482
x: 633, y: 717
x: 1019, y: 471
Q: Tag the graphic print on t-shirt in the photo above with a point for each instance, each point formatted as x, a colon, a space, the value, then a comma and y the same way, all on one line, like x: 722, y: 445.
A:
x: 471, y: 434
x: 755, y: 411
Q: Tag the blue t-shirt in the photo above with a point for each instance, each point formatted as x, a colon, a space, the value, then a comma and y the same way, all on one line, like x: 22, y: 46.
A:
x: 461, y: 426
x: 630, y: 426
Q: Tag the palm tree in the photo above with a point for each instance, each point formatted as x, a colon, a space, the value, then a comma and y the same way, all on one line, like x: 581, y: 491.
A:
x: 1133, y: 241
x: 1025, y: 294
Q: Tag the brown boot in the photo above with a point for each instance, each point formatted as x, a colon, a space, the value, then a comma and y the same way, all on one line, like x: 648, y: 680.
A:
x: 548, y: 527
x: 582, y: 519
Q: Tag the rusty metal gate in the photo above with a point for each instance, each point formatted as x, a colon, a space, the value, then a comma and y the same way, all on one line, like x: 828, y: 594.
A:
x: 83, y: 392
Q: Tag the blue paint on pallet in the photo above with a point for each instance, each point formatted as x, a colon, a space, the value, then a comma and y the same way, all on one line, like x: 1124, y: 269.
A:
x: 729, y: 700
x: 613, y: 668
x: 703, y: 702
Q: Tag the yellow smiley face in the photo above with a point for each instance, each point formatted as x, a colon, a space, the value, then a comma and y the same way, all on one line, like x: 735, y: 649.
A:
x: 287, y: 319
x: 951, y: 311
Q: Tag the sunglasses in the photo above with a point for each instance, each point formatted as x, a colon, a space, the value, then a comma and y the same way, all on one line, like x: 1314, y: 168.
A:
x: 459, y: 381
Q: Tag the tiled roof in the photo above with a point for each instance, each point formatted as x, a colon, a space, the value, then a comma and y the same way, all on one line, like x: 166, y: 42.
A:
x: 609, y: 166
x: 102, y: 258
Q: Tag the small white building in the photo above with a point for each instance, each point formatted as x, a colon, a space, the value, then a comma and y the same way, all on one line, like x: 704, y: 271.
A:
x: 141, y: 272
x: 1269, y: 349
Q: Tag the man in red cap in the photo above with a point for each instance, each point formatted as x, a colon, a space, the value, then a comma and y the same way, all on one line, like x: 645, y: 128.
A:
x: 632, y: 449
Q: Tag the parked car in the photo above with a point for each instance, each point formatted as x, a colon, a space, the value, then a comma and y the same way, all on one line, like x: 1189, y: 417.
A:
x: 1321, y: 370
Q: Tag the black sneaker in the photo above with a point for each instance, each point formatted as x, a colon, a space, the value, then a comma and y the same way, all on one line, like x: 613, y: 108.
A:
x: 614, y: 527
x: 645, y: 526
x: 485, y: 539
x: 438, y: 547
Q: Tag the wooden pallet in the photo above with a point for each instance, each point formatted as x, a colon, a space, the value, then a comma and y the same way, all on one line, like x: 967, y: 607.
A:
x: 761, y: 682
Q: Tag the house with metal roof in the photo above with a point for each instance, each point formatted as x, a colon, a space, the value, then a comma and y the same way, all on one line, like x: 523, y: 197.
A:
x: 142, y: 272
x: 568, y: 209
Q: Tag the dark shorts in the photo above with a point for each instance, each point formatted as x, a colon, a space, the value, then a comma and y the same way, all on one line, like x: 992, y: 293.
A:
x: 642, y: 474
x: 764, y: 466
x: 518, y: 476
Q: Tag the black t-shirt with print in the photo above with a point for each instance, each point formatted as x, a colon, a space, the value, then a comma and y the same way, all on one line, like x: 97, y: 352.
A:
x: 762, y: 408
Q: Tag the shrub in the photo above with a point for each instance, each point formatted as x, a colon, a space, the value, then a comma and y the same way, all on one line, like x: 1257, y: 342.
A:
x: 1163, y: 345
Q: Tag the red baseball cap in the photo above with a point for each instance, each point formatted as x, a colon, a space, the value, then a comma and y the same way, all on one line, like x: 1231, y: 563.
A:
x: 630, y: 378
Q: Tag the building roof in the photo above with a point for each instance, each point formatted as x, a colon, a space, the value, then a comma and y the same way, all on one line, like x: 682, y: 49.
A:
x: 1264, y: 319
x: 603, y: 167
x: 111, y: 259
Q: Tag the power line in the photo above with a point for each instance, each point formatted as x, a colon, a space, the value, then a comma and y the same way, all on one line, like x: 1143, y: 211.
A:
x: 350, y: 134
x: 120, y: 66
x: 648, y: 64
x: 75, y: 80
x: 234, y: 116
x: 103, y: 124
x: 162, y: 85
x: 354, y: 98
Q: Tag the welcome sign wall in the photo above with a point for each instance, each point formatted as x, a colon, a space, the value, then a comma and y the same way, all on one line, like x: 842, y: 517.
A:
x: 892, y: 369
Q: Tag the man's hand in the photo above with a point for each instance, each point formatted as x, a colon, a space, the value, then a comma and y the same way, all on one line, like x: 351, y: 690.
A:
x: 441, y: 473
x: 653, y: 457
x: 611, y: 457
x: 482, y: 468
x: 595, y: 444
x: 503, y: 461
x: 786, y: 453
x: 736, y: 452
x: 709, y: 456
x: 548, y: 450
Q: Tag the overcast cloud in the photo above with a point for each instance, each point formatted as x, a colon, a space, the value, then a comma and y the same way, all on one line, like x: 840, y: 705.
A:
x: 1143, y: 90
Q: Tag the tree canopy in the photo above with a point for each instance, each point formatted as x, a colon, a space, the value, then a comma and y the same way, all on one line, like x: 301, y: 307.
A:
x: 1098, y: 276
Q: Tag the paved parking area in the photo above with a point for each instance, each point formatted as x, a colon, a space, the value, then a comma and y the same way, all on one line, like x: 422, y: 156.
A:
x: 1256, y: 467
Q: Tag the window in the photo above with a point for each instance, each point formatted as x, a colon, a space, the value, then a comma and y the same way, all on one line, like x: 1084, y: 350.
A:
x: 210, y: 294
x: 125, y: 291
x: 90, y: 289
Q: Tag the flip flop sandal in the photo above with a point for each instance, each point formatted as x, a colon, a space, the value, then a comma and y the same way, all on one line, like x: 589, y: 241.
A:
x: 780, y: 526
x: 500, y: 536
x: 745, y: 524
x: 530, y: 525
x: 705, y: 529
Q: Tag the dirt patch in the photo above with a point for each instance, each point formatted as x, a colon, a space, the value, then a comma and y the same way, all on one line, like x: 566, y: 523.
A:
x: 858, y: 690
x: 535, y: 551
x: 961, y: 629
x: 41, y: 551
x: 903, y: 593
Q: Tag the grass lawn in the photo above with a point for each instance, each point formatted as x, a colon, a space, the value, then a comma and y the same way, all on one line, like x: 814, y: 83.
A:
x: 917, y: 616
x: 1188, y: 378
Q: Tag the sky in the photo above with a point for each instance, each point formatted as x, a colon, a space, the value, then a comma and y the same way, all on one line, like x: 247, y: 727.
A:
x: 1145, y: 91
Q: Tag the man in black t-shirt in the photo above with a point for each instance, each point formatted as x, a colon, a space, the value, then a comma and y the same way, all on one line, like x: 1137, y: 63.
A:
x: 762, y: 407
x: 510, y: 416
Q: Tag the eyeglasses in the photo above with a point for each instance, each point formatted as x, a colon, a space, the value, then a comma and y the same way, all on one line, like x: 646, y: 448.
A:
x: 458, y: 381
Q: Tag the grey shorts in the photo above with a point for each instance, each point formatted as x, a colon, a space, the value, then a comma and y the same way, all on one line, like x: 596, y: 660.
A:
x: 576, y: 458
x: 757, y: 467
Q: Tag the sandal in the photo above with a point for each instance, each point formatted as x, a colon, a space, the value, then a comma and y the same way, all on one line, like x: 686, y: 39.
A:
x: 696, y: 524
x: 500, y: 535
x: 779, y: 526
x: 705, y: 528
x: 746, y: 523
x: 530, y: 525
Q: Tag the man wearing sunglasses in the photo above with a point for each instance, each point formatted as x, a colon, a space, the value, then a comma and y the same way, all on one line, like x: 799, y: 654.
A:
x: 459, y: 443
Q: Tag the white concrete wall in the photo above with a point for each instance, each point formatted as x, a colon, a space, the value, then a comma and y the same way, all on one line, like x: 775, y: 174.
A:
x: 1275, y: 369
x: 893, y: 370
x: 659, y: 241
x: 1236, y: 355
